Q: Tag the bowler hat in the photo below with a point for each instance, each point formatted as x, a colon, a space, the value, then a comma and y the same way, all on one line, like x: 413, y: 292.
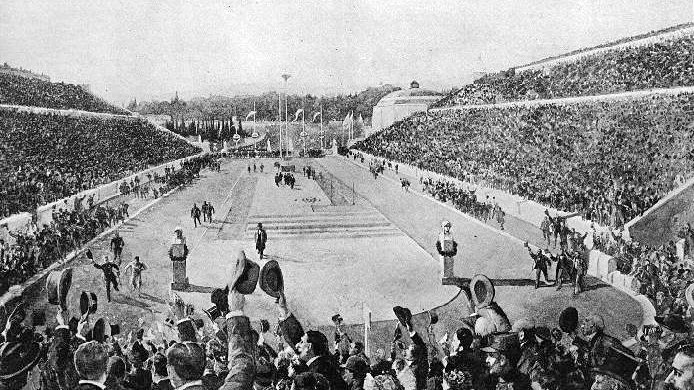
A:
x: 271, y: 280
x: 88, y: 302
x: 672, y: 322
x: 17, y: 358
x: 568, y: 319
x: 482, y: 290
x: 617, y: 362
x: 244, y: 274
x: 57, y: 287
x: 403, y: 314
x: 336, y: 318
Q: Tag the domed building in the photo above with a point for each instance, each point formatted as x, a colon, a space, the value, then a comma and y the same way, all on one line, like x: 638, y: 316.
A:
x: 401, y: 104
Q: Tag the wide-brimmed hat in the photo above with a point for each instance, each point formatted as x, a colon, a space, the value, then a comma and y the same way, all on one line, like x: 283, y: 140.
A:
x: 403, y: 314
x: 17, y: 358
x: 673, y: 322
x: 244, y: 274
x: 271, y: 279
x: 617, y: 362
x: 482, y: 290
x: 58, y: 285
x: 445, y: 223
x: 178, y: 229
x: 88, y: 302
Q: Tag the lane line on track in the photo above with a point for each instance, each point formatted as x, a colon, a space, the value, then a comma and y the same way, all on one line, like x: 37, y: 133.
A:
x: 446, y: 205
x: 231, y: 191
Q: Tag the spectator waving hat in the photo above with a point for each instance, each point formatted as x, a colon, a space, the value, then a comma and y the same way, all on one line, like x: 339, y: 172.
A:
x: 271, y: 279
x: 244, y: 274
x: 57, y: 287
x: 482, y: 291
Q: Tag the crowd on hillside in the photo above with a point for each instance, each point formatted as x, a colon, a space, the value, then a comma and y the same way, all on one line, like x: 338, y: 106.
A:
x: 661, y: 64
x: 610, y: 161
x: 28, y: 251
x: 232, y: 351
x: 48, y: 157
x: 28, y: 91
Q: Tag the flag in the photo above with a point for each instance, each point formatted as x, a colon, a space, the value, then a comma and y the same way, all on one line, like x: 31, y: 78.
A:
x: 315, y: 116
x: 299, y: 111
x: 348, y: 120
x: 250, y: 114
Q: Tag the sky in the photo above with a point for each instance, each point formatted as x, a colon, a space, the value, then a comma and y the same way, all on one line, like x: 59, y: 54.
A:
x: 148, y: 49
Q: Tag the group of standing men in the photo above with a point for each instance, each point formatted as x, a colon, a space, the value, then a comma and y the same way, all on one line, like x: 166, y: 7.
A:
x: 207, y: 211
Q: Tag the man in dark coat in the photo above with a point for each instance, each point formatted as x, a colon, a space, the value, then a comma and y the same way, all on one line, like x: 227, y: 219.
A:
x: 195, y: 214
x: 540, y: 263
x: 109, y: 275
x: 117, y: 245
x: 260, y: 240
x: 311, y: 346
x: 416, y: 356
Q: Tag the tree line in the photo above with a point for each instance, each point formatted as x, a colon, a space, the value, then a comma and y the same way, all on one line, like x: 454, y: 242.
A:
x: 212, y: 116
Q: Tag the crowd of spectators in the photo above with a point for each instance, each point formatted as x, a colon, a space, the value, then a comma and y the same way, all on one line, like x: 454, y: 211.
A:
x: 232, y: 351
x: 609, y: 161
x: 44, y: 158
x: 29, y: 91
x: 662, y: 273
x: 662, y: 64
x: 25, y: 253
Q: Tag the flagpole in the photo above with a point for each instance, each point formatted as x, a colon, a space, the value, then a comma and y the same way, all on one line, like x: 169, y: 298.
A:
x: 303, y: 129
x: 321, y: 127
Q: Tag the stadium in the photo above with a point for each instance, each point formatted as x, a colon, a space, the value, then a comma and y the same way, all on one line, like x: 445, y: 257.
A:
x: 526, y: 229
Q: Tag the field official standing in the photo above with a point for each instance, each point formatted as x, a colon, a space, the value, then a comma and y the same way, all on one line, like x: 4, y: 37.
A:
x: 260, y: 240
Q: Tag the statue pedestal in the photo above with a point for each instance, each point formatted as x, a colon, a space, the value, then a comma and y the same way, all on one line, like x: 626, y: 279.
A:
x: 180, y: 280
x: 447, y: 265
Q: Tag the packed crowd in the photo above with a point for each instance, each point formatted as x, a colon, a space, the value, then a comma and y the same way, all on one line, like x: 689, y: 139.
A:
x: 27, y: 91
x: 465, y: 200
x: 662, y: 276
x: 484, y: 352
x: 44, y: 158
x: 662, y: 64
x: 35, y: 248
x: 610, y: 161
